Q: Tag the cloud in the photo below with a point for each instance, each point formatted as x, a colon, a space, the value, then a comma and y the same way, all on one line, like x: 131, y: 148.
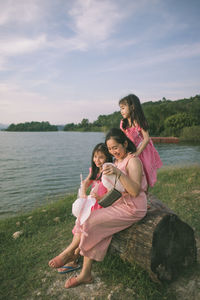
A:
x: 20, y: 11
x: 94, y: 21
x: 19, y: 105
x: 21, y: 45
x: 168, y: 54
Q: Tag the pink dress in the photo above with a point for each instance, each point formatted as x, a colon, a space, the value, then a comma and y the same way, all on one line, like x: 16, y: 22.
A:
x: 149, y: 156
x: 98, y: 229
x: 101, y: 191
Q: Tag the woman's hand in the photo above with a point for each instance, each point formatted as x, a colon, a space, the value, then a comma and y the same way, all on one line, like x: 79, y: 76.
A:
x: 110, y: 169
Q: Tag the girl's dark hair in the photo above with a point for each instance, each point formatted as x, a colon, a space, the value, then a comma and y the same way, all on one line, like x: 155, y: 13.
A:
x: 119, y: 136
x: 101, y: 147
x: 136, y: 112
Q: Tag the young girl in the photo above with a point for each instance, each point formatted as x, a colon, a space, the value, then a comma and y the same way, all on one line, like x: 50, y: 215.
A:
x: 135, y: 126
x: 100, y: 155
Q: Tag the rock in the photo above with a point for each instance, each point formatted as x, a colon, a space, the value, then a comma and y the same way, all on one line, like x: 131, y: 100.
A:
x: 17, y: 234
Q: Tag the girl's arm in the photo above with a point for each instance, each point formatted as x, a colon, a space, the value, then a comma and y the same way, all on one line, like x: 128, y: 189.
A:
x: 144, y: 143
x: 85, y: 184
x: 132, y: 181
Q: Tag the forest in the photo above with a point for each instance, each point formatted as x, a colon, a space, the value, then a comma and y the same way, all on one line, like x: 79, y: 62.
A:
x: 165, y: 117
x: 32, y: 126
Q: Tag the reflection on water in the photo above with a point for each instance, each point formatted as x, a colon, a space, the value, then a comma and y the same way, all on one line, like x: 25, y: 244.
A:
x: 36, y: 167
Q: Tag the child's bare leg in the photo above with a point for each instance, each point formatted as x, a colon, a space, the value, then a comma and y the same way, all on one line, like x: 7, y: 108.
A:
x: 68, y: 255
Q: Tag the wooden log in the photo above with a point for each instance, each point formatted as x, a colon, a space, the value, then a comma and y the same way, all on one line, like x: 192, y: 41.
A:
x: 160, y: 243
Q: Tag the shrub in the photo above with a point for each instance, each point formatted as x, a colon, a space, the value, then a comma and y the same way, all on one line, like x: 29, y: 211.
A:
x: 178, y: 121
x: 190, y: 134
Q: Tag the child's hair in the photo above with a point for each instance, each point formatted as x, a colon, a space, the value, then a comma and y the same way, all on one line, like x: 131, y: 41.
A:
x: 101, y: 147
x: 136, y: 112
x: 120, y: 137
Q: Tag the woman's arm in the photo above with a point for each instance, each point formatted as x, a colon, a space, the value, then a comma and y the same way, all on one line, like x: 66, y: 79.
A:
x: 132, y: 181
x: 144, y: 143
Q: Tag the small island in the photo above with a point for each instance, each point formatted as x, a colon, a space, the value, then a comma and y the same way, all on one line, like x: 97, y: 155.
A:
x: 32, y: 126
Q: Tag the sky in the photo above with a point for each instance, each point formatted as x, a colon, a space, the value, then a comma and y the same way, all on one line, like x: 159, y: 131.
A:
x: 65, y: 60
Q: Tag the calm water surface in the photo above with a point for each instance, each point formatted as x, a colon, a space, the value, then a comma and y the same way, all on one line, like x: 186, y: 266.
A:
x: 39, y: 167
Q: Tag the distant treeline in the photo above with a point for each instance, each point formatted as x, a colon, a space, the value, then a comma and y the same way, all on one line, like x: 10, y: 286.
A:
x: 165, y: 117
x: 32, y: 126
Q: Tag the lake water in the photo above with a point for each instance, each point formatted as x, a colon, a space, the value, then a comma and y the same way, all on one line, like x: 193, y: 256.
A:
x: 38, y: 167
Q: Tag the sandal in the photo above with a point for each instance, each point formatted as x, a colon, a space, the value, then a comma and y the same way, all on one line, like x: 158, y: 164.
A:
x: 72, y: 282
x: 69, y: 269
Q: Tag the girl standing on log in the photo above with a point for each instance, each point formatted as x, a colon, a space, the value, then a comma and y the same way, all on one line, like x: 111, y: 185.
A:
x: 96, y: 233
x: 135, y: 126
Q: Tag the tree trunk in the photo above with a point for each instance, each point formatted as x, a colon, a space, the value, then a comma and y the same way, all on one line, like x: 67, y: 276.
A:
x: 160, y: 243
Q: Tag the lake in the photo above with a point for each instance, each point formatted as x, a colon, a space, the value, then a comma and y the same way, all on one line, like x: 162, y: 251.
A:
x: 38, y: 167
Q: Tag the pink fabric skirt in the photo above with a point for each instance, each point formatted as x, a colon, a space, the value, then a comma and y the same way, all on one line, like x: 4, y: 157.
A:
x: 151, y: 162
x: 98, y: 229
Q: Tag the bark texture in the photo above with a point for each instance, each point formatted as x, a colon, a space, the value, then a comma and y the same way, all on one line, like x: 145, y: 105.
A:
x: 161, y: 243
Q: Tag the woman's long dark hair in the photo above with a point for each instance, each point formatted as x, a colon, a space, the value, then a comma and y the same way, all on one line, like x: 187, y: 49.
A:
x: 101, y: 147
x: 136, y: 112
x: 119, y: 136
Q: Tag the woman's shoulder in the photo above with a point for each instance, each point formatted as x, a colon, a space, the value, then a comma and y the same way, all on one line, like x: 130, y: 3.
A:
x: 133, y: 160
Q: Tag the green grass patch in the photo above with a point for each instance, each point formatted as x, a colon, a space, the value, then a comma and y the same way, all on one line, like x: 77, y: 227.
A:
x: 24, y: 270
x: 179, y: 189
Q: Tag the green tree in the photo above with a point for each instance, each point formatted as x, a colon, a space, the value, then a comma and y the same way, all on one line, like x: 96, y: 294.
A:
x: 178, y: 121
x: 32, y: 126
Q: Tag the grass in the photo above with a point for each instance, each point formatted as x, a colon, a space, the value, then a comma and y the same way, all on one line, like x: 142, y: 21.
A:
x: 23, y: 262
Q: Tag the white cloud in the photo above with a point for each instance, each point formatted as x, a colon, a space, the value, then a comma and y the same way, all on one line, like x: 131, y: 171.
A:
x: 168, y: 54
x: 19, y: 11
x: 19, y: 105
x: 21, y: 45
x: 93, y: 20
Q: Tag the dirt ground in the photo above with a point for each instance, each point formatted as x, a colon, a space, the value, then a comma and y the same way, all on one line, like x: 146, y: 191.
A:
x: 185, y: 288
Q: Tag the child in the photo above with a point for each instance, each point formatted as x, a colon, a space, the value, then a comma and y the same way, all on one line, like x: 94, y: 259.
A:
x: 100, y: 155
x: 135, y: 126
x: 81, y: 208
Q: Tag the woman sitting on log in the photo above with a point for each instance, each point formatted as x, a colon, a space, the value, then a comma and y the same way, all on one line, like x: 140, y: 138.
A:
x: 97, y: 231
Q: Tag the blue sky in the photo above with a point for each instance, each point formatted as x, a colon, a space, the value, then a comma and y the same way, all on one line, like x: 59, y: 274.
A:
x: 65, y: 60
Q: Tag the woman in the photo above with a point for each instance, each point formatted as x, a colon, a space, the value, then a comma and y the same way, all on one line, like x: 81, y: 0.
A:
x: 97, y: 231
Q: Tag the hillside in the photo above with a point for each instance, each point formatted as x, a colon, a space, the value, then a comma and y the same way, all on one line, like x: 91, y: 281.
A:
x: 165, y: 117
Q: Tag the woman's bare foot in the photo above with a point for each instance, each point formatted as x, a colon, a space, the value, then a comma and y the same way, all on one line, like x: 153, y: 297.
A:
x: 62, y: 259
x: 75, y: 281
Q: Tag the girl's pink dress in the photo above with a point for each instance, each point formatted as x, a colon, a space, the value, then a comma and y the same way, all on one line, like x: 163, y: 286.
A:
x: 149, y: 156
x: 101, y: 191
x: 98, y: 229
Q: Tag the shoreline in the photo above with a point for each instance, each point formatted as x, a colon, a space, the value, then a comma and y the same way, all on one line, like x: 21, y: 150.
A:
x: 167, y: 140
x: 6, y: 215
